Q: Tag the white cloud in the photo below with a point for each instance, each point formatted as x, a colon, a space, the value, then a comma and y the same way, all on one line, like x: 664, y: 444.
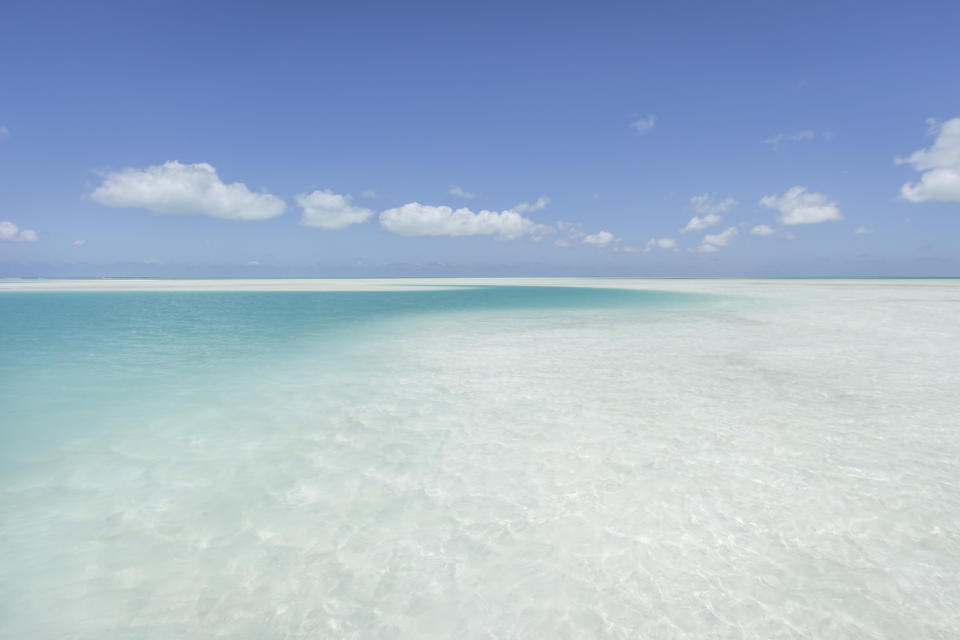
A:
x: 940, y: 165
x: 710, y: 210
x: 798, y: 206
x: 713, y: 242
x: 644, y: 124
x: 662, y: 243
x: 864, y: 229
x: 9, y: 232
x: 415, y: 219
x: 699, y: 224
x: 457, y: 191
x: 4, y: 133
x: 79, y: 243
x: 369, y: 193
x: 721, y: 239
x: 763, y: 230
x: 652, y: 243
x: 185, y: 189
x: 599, y: 239
x: 703, y: 203
x: 806, y: 134
x: 328, y: 210
x: 563, y: 243
x: 528, y: 207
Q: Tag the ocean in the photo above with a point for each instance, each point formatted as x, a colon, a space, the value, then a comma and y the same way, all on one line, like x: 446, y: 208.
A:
x: 488, y: 458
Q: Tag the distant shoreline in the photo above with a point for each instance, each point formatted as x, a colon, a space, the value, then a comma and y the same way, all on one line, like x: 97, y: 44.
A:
x: 394, y: 284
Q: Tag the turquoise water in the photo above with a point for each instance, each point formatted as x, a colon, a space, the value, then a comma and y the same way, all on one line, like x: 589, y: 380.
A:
x: 780, y: 460
x: 71, y: 356
x: 103, y: 390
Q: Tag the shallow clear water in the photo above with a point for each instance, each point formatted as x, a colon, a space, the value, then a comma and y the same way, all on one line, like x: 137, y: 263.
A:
x: 663, y: 459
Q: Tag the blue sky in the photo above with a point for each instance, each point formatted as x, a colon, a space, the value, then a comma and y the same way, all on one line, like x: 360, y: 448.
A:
x: 225, y: 138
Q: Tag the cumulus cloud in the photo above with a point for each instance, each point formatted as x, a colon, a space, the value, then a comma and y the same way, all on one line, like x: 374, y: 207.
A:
x: 328, y: 210
x: 652, y: 243
x: 644, y: 124
x: 9, y: 232
x: 798, y: 206
x: 710, y: 211
x: 699, y: 224
x: 940, y: 164
x: 415, y: 219
x: 713, y: 242
x: 599, y: 239
x: 185, y: 189
x: 806, y: 134
x: 662, y: 243
x: 457, y: 191
x: 79, y: 243
x: 763, y: 230
x: 721, y: 239
x: 530, y: 207
x: 864, y: 229
x: 704, y: 203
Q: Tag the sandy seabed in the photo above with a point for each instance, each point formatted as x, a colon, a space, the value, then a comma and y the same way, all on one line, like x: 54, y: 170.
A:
x: 779, y: 459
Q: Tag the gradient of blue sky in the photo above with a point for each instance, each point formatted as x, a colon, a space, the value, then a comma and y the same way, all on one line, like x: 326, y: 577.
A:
x: 508, y: 101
